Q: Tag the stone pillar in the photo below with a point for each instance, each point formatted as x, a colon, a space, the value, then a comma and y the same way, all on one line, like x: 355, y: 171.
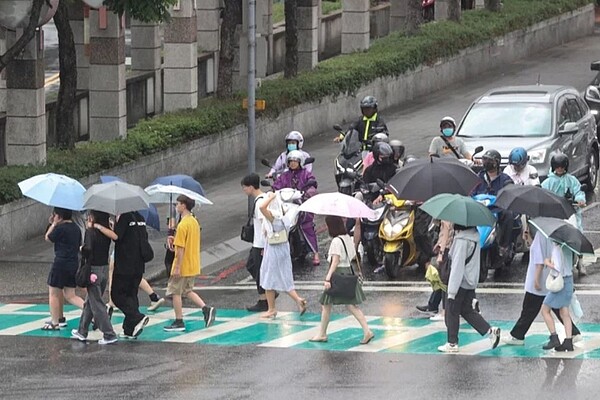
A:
x: 398, y: 14
x: 78, y: 13
x: 208, y: 17
x: 308, y: 34
x: 264, y: 42
x: 3, y: 73
x: 26, y: 111
x: 181, y: 58
x: 441, y: 10
x: 145, y: 57
x: 108, y: 107
x: 355, y: 25
x: 479, y: 4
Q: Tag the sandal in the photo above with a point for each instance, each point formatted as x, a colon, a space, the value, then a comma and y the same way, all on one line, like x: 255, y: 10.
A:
x: 303, y: 307
x: 367, y: 339
x: 49, y: 326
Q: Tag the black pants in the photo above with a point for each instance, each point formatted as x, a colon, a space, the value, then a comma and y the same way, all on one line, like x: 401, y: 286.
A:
x: 124, y: 293
x: 435, y: 299
x: 462, y: 305
x: 505, y: 223
x: 253, y: 266
x: 531, y: 308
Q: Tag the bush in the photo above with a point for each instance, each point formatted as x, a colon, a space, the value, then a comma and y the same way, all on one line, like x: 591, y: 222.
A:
x: 390, y: 56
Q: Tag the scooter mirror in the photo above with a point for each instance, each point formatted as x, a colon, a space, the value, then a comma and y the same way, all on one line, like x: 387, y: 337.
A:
x: 338, y: 128
x: 309, y: 160
x: 265, y: 162
x: 478, y: 149
x: 265, y: 182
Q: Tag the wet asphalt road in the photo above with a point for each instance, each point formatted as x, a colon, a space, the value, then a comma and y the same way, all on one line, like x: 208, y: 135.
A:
x: 63, y: 369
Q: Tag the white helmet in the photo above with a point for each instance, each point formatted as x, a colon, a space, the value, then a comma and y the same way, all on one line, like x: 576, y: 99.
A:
x: 448, y: 119
x: 297, y: 136
x: 295, y: 155
x: 380, y: 137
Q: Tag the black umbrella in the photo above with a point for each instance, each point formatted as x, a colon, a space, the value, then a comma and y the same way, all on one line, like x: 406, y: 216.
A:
x: 564, y: 233
x: 534, y: 202
x: 420, y: 180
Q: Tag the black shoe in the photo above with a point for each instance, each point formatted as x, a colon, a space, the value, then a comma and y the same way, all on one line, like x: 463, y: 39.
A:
x: 426, y: 310
x: 177, y: 326
x: 209, y: 315
x: 553, y: 342
x: 261, y: 305
x: 567, y: 345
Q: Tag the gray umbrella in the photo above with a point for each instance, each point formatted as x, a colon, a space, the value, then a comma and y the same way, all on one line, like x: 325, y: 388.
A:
x: 115, y: 198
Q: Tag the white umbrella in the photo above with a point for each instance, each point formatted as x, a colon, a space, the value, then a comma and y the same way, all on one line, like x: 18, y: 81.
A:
x: 115, y: 198
x: 338, y: 204
x: 164, y: 194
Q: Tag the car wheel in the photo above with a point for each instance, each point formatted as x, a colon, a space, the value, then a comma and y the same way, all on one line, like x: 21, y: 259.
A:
x: 592, y: 176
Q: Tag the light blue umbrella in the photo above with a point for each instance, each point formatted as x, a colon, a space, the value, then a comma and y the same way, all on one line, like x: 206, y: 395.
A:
x: 54, y: 190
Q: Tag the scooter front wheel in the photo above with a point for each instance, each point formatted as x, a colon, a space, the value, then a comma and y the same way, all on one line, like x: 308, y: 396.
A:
x: 391, y: 263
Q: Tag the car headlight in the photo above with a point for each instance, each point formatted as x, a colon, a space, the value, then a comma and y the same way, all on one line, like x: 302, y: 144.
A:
x: 537, y: 156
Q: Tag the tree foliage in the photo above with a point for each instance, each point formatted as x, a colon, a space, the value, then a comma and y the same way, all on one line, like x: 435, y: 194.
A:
x: 142, y: 10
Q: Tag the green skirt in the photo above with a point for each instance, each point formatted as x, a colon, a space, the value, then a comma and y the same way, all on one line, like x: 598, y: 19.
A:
x: 359, y: 295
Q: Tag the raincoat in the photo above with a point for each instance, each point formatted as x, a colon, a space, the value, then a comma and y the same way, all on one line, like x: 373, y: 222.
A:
x: 560, y: 185
x: 297, y: 179
x: 281, y: 163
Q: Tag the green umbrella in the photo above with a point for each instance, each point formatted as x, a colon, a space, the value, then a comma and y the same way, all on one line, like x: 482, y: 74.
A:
x: 461, y: 210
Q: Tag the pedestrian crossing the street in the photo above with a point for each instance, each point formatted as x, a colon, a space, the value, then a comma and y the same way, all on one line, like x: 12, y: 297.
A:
x: 238, y: 327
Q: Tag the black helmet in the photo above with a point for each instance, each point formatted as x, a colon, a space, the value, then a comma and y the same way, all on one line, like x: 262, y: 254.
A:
x: 491, y: 156
x: 368, y: 102
x: 559, y: 160
x: 382, y: 149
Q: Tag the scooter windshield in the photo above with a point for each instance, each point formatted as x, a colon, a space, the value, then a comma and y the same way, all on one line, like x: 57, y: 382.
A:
x: 351, y: 145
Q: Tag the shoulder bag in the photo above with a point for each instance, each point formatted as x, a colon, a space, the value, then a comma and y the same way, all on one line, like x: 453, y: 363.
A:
x: 84, y: 271
x: 555, y: 283
x: 451, y: 147
x: 247, y: 234
x: 343, y: 286
x: 445, y: 266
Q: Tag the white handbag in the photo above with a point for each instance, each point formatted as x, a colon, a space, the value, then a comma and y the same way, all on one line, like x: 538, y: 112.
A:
x: 555, y: 283
x: 278, y: 237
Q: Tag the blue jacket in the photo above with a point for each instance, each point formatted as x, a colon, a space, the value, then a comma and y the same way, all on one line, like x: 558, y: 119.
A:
x: 492, y: 187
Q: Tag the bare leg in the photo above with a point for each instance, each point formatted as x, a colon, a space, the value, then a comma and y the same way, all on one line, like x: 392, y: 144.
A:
x: 178, y: 306
x: 61, y: 303
x: 299, y: 300
x: 54, y: 301
x: 193, y: 296
x: 145, y: 286
x: 111, y: 267
x: 566, y: 317
x: 549, y: 320
x: 360, y: 317
x: 325, y: 317
x: 271, y: 311
x: 71, y: 297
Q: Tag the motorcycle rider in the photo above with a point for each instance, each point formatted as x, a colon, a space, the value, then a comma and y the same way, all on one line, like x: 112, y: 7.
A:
x: 564, y: 184
x: 369, y: 125
x: 519, y: 169
x: 447, y: 144
x: 399, y: 150
x: 296, y: 177
x: 293, y: 141
x: 492, y: 181
x: 383, y: 168
x: 369, y: 159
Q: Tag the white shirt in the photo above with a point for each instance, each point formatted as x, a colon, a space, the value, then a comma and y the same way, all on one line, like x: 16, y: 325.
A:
x: 528, y: 176
x: 337, y: 248
x: 259, y: 239
x: 541, y: 248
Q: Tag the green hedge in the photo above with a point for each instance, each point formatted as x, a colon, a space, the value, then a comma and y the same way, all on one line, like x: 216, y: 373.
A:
x: 343, y: 75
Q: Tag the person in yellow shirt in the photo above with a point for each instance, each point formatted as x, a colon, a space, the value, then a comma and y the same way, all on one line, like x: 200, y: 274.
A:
x: 186, y: 266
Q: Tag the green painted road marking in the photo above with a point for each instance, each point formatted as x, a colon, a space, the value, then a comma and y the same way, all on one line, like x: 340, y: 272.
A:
x: 10, y: 320
x: 254, y: 334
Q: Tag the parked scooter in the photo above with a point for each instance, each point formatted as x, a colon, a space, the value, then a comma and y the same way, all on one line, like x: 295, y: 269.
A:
x: 349, y: 162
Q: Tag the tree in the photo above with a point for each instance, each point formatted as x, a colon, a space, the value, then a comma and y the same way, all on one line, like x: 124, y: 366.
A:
x: 142, y: 10
x: 290, y: 68
x: 493, y: 5
x: 414, y: 17
x: 454, y: 10
x: 232, y: 18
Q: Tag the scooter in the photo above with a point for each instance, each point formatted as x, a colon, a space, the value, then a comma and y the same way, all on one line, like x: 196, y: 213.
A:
x: 428, y: 10
x: 349, y: 162
x: 369, y: 227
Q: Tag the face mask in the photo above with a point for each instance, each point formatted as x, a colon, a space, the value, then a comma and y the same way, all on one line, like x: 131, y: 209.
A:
x: 292, y: 146
x: 448, y: 132
x: 489, y: 165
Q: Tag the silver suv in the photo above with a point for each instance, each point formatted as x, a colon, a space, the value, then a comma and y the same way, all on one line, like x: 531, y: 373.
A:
x: 543, y: 119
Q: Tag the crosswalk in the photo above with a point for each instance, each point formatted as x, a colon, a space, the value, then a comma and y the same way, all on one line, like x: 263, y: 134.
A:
x: 234, y: 327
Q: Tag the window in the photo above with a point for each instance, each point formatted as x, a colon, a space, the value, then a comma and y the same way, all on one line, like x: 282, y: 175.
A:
x: 574, y: 110
x: 563, y: 114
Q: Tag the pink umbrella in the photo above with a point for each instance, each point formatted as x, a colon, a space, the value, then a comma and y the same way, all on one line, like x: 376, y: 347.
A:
x: 338, y: 204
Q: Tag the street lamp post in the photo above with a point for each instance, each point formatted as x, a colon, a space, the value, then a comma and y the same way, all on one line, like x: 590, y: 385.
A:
x: 251, y: 93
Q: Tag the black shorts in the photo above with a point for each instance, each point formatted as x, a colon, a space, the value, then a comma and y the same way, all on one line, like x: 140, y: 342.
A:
x: 62, y: 277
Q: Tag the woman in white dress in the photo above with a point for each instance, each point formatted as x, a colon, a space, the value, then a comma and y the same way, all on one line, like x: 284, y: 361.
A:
x: 276, y: 268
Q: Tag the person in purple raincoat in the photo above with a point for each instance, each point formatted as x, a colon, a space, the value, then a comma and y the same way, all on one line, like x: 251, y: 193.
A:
x: 296, y: 177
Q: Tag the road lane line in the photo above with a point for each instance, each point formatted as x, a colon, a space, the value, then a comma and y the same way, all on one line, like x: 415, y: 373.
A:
x: 397, y: 340
x: 11, y: 308
x: 37, y: 324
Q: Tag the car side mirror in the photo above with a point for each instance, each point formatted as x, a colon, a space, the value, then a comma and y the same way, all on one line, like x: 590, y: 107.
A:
x: 592, y: 95
x: 570, y: 128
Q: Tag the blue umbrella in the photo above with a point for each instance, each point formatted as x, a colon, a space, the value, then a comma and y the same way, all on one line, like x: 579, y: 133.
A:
x: 150, y: 214
x: 184, y: 181
x: 54, y: 190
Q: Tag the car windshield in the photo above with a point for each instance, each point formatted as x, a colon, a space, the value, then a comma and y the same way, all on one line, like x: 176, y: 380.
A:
x: 507, y: 119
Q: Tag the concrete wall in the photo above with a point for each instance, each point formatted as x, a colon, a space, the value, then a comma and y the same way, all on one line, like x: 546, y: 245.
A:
x: 25, y: 218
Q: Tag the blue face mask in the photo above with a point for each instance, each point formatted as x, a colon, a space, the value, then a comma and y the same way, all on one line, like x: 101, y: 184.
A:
x: 292, y: 146
x: 448, y: 132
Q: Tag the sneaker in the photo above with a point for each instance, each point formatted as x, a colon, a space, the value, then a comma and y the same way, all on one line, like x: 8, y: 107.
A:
x: 577, y: 338
x: 177, y: 326
x: 127, y: 337
x: 209, y: 315
x: 437, y: 317
x: 140, y: 326
x: 513, y: 341
x: 475, y: 305
x: 426, y: 310
x: 62, y: 322
x: 155, y: 304
x: 260, y: 306
x: 494, y: 336
x: 107, y: 341
x: 448, y: 348
x: 76, y: 335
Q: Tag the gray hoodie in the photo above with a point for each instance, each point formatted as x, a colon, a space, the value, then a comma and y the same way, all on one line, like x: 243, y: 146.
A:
x: 461, y: 275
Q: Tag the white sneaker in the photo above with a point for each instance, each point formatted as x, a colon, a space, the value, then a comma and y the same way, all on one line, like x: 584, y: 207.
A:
x: 76, y: 335
x: 437, y: 317
x: 155, y: 304
x: 448, y: 348
x: 140, y: 326
x: 494, y: 336
x: 475, y: 305
x: 577, y: 338
x: 107, y: 341
x: 513, y: 341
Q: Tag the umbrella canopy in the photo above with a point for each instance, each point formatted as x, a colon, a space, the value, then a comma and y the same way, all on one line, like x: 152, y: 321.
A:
x: 564, y: 233
x: 183, y: 181
x: 54, y: 190
x: 422, y: 179
x: 338, y: 204
x: 458, y: 209
x: 115, y: 198
x: 534, y: 202
x: 164, y: 194
x: 150, y: 214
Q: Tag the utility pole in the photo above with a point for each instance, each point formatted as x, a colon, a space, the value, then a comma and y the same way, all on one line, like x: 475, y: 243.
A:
x: 251, y: 93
